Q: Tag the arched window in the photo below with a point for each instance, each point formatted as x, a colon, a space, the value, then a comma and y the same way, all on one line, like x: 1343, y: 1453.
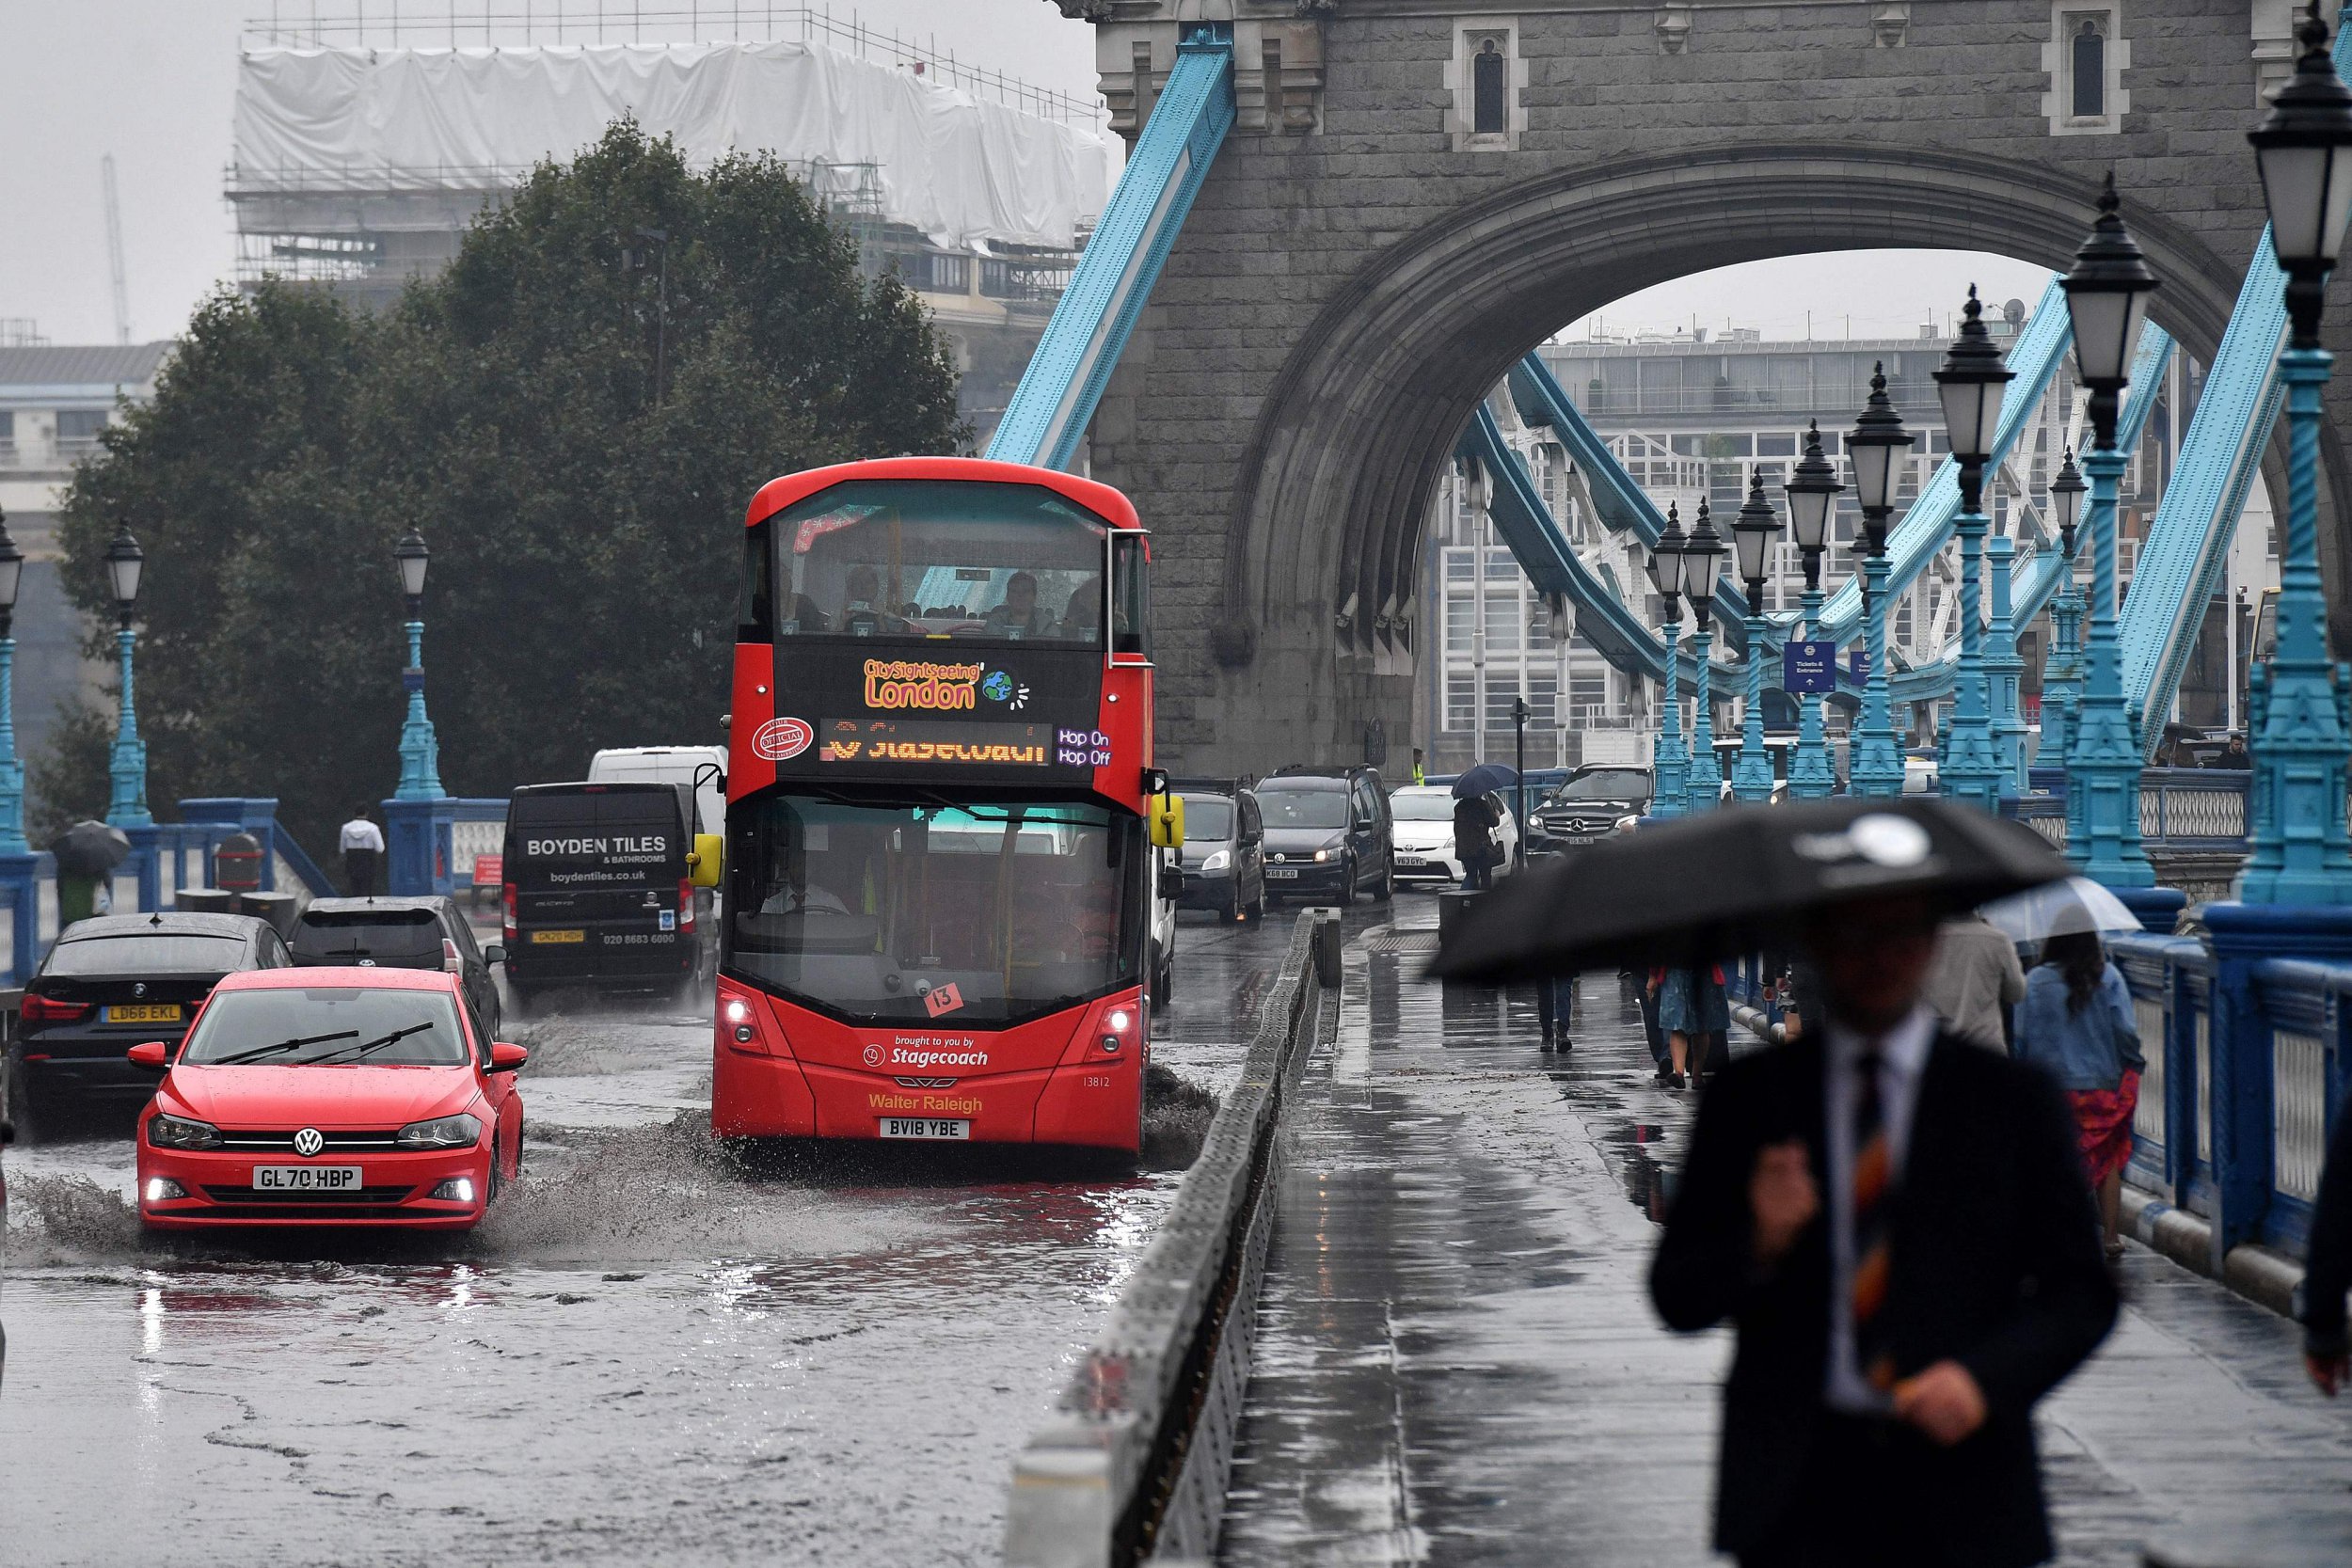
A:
x: 2087, y: 68
x: 1488, y: 90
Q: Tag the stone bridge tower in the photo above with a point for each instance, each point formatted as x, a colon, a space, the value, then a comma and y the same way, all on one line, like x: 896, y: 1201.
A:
x: 1395, y: 219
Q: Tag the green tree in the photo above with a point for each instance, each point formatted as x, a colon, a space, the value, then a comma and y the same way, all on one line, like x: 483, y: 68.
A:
x: 574, y: 415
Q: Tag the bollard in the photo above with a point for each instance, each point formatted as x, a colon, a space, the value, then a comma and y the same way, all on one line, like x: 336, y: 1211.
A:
x: 1328, y: 944
x: 1451, y: 906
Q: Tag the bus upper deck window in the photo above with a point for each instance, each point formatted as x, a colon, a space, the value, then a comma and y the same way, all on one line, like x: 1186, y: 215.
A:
x: 757, y: 616
x: 1130, y: 597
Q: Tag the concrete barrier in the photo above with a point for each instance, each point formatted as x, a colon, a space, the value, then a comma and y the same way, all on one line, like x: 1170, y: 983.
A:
x: 1132, y: 1465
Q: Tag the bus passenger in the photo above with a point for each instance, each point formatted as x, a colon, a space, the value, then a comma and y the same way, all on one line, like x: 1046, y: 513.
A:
x: 1018, y: 615
x: 860, y: 614
x: 1082, y: 617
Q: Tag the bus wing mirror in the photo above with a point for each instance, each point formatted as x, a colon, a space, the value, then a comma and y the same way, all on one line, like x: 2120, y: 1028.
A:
x: 708, y: 856
x: 1167, y: 821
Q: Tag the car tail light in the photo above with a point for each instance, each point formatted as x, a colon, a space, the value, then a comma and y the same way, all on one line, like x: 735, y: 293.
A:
x: 686, y: 906
x: 451, y: 963
x: 45, y: 1009
x: 508, y: 895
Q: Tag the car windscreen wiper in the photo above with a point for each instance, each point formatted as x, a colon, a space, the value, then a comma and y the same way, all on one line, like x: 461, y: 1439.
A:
x: 376, y: 1044
x: 261, y: 1051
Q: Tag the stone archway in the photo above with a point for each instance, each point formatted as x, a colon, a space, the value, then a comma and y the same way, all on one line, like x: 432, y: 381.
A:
x: 1330, y: 491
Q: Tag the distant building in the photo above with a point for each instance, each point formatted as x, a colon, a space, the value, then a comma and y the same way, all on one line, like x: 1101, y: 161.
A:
x: 1690, y: 416
x: 54, y: 401
x: 360, y: 167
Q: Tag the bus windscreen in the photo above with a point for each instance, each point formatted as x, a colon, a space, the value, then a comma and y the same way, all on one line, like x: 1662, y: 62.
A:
x: 938, y: 558
x: 973, y: 915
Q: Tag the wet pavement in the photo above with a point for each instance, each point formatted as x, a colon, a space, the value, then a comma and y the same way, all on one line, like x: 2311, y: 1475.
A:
x: 645, y: 1356
x: 1456, y: 1361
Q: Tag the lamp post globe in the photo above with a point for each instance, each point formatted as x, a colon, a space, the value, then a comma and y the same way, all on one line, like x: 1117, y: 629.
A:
x: 1669, y: 762
x: 2107, y: 297
x: 1971, y: 383
x: 1873, y: 446
x: 1703, y: 553
x: 412, y: 557
x: 2299, y: 853
x: 1812, y: 490
x: 1753, y: 531
x: 126, y: 762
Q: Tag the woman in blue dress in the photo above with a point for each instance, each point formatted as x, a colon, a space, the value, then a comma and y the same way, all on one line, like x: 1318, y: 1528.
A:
x: 1691, y: 1007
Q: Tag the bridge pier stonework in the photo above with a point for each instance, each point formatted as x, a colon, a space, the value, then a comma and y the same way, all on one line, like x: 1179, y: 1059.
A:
x: 1364, y: 261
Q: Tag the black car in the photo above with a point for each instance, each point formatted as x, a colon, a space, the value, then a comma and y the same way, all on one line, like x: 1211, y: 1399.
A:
x: 1224, y: 854
x: 1587, y: 807
x: 1326, y: 834
x: 110, y: 983
x: 402, y: 933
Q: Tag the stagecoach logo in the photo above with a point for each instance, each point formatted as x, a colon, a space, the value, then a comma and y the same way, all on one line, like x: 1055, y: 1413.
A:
x: 308, y: 1142
x: 902, y: 683
x: 873, y: 1055
x: 782, y: 739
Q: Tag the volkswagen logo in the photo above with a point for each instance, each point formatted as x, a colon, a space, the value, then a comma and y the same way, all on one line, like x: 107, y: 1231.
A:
x: 308, y: 1142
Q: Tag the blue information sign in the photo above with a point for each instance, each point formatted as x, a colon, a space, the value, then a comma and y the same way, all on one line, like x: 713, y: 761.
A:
x: 1858, y: 664
x: 1808, y: 669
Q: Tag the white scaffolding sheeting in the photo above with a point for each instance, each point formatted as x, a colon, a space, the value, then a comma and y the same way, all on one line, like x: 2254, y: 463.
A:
x: 962, y: 172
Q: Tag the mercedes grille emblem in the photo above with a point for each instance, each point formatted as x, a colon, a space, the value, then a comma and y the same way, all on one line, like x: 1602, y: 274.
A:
x: 308, y: 1142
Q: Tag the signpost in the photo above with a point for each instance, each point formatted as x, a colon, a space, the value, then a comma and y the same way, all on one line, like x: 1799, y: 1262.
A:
x: 1808, y: 668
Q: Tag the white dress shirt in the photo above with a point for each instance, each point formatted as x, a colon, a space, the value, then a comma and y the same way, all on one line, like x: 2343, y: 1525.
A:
x: 1902, y: 1056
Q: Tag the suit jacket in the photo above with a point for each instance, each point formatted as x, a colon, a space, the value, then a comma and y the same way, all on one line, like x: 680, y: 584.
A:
x: 1994, y: 1262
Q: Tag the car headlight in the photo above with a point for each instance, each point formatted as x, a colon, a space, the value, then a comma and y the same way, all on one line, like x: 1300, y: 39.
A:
x: 169, y: 1132
x: 456, y: 1132
x: 1322, y: 855
x: 1218, y: 861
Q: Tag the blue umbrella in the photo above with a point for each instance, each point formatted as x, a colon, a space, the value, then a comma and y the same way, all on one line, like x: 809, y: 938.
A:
x: 1487, y: 778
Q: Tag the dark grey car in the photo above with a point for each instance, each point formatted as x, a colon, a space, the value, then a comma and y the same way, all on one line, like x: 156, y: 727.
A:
x: 1326, y: 834
x: 1587, y: 807
x: 402, y: 933
x: 1224, y: 854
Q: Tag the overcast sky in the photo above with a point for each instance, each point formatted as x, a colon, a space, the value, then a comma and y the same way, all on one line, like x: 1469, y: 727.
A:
x: 151, y: 82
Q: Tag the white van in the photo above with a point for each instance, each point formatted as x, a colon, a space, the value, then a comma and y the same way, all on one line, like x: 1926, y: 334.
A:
x: 672, y: 765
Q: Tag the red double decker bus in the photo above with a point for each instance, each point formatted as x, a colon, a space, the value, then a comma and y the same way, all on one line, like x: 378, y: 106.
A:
x: 942, y: 811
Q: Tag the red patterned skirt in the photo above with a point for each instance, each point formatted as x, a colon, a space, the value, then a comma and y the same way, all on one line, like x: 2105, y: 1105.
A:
x: 2102, y: 1122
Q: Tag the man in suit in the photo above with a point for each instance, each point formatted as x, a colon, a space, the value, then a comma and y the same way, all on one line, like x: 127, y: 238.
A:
x: 1898, y: 1224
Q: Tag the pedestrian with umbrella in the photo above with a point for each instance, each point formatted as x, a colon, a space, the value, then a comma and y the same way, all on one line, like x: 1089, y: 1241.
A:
x: 1896, y: 1221
x: 1476, y: 820
x: 85, y: 855
x: 2077, y: 1024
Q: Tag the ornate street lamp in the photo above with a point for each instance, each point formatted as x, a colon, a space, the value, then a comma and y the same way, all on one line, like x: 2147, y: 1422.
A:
x: 1874, y: 445
x: 1702, y: 566
x: 2004, y: 668
x: 2299, y: 853
x: 11, y: 770
x: 2062, y: 668
x: 419, y: 752
x: 1972, y: 381
x: 1752, y: 534
x: 2106, y: 294
x: 1812, y: 491
x: 1670, y: 765
x: 126, y: 769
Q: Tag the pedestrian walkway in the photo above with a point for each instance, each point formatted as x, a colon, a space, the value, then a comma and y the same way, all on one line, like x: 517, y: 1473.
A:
x: 1457, y: 1362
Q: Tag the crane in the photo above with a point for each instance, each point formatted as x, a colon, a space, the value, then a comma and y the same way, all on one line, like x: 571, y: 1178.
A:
x: 114, y: 251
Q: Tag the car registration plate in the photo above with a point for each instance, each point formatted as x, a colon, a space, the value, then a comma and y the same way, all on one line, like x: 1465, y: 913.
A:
x: 1283, y: 872
x: 1410, y: 860
x: 925, y: 1127
x: 167, y: 1012
x: 559, y: 936
x: 305, y: 1179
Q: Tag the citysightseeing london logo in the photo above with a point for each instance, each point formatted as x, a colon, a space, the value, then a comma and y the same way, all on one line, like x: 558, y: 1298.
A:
x: 905, y: 683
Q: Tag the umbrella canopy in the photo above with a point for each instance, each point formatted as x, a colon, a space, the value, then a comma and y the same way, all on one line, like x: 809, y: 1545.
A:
x: 1487, y: 778
x: 2061, y: 909
x: 90, y: 850
x: 1737, y: 879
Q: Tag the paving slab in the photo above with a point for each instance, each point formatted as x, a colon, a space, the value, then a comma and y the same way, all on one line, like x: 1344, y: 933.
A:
x: 1457, y: 1362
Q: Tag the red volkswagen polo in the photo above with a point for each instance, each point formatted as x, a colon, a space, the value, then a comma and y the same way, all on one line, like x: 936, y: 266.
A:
x: 339, y: 1097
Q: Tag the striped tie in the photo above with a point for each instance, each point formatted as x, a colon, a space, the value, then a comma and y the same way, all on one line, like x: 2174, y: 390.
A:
x: 1873, y: 1173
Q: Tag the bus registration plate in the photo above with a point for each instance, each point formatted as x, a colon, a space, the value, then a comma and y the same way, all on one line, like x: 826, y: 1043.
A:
x: 925, y: 1127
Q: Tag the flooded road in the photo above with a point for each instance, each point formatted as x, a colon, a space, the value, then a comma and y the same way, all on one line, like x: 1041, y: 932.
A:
x: 649, y: 1353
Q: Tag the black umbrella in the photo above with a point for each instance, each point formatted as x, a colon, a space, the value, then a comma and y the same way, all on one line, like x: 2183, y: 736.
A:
x: 1487, y: 778
x: 90, y: 850
x: 1737, y: 879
